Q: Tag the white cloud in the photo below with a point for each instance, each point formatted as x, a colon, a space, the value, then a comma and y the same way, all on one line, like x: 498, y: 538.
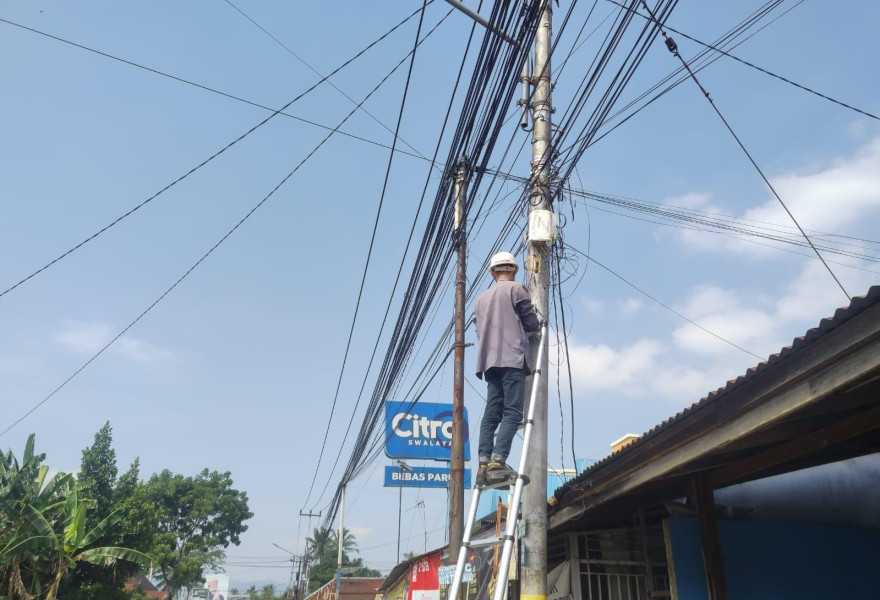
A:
x: 730, y: 314
x: 691, y: 362
x: 83, y: 337
x: 87, y: 337
x: 829, y: 199
x: 631, y: 305
x: 361, y: 533
x: 640, y: 369
x: 592, y: 305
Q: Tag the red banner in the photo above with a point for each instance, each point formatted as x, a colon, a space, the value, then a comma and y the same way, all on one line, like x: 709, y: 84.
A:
x: 423, y: 581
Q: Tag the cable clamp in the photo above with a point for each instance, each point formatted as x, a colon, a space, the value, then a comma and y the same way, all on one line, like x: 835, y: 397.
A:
x: 507, y: 538
x: 463, y: 345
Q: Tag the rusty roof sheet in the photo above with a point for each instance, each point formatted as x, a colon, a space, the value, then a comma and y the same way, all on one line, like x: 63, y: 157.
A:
x: 857, y: 305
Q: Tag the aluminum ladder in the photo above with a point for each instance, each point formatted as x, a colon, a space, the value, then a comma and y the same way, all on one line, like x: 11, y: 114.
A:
x: 514, y: 498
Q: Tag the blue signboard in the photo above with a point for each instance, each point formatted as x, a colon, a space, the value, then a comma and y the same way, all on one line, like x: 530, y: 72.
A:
x: 422, y: 430
x: 425, y: 477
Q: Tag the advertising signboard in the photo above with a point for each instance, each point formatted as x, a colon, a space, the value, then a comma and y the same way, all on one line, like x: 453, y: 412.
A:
x: 217, y: 586
x: 422, y: 477
x: 423, y: 584
x: 422, y: 430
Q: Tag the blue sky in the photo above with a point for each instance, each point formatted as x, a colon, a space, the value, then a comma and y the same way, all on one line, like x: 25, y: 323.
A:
x: 235, y: 370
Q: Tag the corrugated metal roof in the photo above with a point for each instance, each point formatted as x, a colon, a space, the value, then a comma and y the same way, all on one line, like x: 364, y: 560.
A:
x: 857, y: 305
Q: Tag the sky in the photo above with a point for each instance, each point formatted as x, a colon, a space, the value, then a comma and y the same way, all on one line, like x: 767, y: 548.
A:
x: 237, y: 367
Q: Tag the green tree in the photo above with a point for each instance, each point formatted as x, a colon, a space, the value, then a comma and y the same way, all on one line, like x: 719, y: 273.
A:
x: 97, y: 473
x: 198, y: 517
x: 325, y: 569
x: 267, y: 592
x: 124, y: 494
x: 43, y: 529
x: 317, y: 543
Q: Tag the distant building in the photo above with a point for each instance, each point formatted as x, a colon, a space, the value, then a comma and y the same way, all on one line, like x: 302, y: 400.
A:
x: 623, y: 442
x: 352, y: 588
x: 140, y: 582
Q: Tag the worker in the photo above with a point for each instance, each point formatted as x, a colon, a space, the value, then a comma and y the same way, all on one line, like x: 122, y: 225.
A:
x: 504, y: 317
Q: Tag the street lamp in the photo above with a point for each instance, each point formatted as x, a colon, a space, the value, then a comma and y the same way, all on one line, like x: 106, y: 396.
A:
x: 404, y: 468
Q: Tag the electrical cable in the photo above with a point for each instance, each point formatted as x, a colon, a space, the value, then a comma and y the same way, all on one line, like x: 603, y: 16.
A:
x: 666, y: 306
x: 369, y: 254
x: 209, y: 89
x: 316, y: 72
x: 477, y: 129
x: 762, y: 70
x: 201, y: 164
x: 673, y: 48
x: 205, y: 255
x: 753, y: 19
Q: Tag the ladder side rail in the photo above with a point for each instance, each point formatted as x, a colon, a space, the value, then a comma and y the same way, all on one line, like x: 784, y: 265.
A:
x: 465, y: 543
x: 513, y: 507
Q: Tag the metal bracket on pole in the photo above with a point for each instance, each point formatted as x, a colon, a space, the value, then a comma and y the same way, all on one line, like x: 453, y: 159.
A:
x: 481, y: 20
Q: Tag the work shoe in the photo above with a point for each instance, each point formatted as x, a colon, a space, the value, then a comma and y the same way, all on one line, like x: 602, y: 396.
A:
x: 498, y: 473
x: 481, y: 475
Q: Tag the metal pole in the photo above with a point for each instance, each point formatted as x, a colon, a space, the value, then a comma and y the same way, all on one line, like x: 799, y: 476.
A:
x: 481, y: 20
x: 399, y: 510
x: 339, y: 544
x: 538, y: 268
x: 517, y: 492
x: 456, y: 476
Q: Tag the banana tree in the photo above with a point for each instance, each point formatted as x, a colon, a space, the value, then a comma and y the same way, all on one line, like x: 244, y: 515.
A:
x: 61, y: 546
x: 43, y: 529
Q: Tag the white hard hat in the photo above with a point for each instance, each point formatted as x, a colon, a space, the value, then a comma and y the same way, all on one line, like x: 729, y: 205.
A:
x: 502, y: 259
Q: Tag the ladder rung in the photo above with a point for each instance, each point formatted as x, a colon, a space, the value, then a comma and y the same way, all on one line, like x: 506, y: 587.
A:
x: 484, y: 543
x: 494, y: 486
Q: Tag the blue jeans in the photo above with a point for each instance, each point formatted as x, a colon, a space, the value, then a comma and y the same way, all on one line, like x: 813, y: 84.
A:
x: 504, y: 407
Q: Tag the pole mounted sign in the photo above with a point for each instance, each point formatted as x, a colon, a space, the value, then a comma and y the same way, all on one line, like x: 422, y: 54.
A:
x: 422, y: 430
x: 421, y: 477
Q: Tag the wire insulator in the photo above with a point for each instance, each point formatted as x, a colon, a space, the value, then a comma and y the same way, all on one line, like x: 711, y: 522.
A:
x: 670, y: 43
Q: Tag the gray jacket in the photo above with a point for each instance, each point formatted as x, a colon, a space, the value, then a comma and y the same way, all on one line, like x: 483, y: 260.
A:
x: 503, y: 316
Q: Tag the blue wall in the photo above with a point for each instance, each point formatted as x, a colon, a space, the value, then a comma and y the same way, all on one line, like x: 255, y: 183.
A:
x: 780, y: 561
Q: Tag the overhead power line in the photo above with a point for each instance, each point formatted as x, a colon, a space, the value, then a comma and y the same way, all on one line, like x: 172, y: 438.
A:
x: 662, y: 304
x: 210, y: 251
x: 204, y: 162
x: 319, y: 74
x: 370, y: 250
x: 761, y: 69
x: 673, y: 48
x: 209, y: 88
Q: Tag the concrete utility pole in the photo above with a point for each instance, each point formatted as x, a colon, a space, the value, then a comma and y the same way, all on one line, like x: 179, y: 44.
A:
x: 303, y: 580
x: 534, y: 569
x: 456, y: 478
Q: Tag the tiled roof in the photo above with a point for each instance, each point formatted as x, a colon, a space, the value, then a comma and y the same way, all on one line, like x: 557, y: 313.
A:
x: 826, y: 325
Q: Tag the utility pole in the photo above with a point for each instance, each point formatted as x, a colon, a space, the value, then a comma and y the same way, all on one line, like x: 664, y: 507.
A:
x: 302, y: 578
x: 339, y: 544
x: 534, y: 568
x: 404, y: 468
x: 456, y: 476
